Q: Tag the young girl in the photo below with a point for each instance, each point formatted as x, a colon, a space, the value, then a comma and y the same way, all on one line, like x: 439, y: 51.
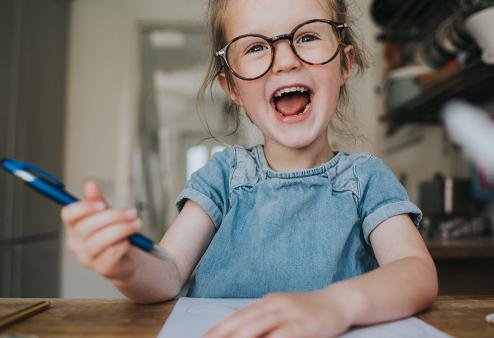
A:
x: 326, y: 238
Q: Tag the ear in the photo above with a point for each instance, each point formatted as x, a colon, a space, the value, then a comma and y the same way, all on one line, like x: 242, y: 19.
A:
x: 229, y: 91
x: 349, y: 54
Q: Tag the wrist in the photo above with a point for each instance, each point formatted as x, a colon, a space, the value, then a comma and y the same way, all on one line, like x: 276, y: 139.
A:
x: 128, y: 275
x: 351, y: 301
x: 149, y: 280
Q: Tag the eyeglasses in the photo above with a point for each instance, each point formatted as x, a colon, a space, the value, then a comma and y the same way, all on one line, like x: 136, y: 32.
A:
x: 315, y: 42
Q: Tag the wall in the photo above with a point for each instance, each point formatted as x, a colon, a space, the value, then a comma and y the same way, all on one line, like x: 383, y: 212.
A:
x: 365, y: 101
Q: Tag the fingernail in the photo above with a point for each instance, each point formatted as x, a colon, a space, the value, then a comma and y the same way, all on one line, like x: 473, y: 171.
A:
x: 99, y: 205
x: 137, y: 223
x: 131, y: 213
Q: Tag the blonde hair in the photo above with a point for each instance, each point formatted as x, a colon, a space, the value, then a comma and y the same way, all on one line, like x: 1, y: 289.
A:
x: 215, y: 14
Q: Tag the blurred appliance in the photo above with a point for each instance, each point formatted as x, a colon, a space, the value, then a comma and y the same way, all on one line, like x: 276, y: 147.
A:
x: 442, y: 197
x: 402, y: 84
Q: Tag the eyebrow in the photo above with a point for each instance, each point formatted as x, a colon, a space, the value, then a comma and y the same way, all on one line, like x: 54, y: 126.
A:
x: 269, y: 34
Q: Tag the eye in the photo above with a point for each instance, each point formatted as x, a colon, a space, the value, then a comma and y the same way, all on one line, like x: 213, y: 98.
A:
x: 256, y: 48
x: 307, y: 38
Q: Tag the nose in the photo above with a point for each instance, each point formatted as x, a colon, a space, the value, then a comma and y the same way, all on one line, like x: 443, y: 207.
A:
x: 285, y: 58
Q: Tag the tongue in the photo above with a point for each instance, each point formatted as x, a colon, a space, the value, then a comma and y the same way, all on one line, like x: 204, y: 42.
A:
x: 291, y: 104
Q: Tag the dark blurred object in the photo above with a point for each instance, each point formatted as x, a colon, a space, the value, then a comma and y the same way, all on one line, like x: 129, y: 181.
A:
x: 447, y: 197
x: 471, y: 7
x: 409, y: 20
x: 483, y: 184
x: 449, y: 41
x: 429, y: 79
x: 393, y: 55
x: 383, y: 11
x: 474, y: 83
x: 437, y: 50
x: 459, y: 227
x: 435, y: 28
x: 458, y: 33
x: 417, y: 32
x: 450, y: 211
x: 402, y: 84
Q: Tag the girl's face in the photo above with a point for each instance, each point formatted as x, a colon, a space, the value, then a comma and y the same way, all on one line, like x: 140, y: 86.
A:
x: 323, y: 82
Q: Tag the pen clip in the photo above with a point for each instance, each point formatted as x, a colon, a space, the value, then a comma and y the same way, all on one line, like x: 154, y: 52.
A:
x: 21, y: 165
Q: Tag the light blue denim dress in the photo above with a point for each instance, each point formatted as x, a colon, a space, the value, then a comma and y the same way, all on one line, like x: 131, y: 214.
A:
x: 289, y: 231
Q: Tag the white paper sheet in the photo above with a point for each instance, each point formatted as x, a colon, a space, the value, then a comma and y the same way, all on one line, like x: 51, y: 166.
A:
x: 193, y: 317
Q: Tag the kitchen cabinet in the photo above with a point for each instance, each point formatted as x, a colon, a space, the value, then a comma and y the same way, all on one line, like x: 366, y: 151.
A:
x: 33, y: 41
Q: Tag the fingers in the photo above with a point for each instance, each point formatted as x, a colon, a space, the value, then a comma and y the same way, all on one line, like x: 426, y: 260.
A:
x: 98, y: 235
x: 286, y: 331
x: 90, y: 224
x: 109, y: 258
x: 111, y: 255
x: 278, y: 315
x: 254, y: 320
x: 92, y: 192
x: 258, y: 326
x: 90, y: 230
x: 72, y: 213
x: 93, y: 201
x: 88, y: 251
x: 109, y: 235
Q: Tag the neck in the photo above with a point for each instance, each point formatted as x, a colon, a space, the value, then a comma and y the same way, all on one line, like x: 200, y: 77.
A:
x: 281, y: 158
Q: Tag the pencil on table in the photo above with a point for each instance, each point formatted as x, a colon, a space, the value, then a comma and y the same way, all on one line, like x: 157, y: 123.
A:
x: 24, y: 313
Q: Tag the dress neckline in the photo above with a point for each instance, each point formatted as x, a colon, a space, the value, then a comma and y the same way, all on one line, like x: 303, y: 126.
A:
x: 266, y: 169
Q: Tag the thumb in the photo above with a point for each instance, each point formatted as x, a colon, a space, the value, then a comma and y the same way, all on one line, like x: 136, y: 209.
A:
x: 92, y: 193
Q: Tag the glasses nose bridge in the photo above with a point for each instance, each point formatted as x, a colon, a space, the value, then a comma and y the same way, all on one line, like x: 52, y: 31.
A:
x: 281, y: 37
x: 278, y: 38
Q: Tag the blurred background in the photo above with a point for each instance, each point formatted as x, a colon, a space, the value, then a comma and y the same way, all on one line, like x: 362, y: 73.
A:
x: 106, y: 90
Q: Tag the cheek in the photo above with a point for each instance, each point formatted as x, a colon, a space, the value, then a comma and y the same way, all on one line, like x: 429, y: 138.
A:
x: 330, y: 74
x: 251, y: 93
x: 329, y: 80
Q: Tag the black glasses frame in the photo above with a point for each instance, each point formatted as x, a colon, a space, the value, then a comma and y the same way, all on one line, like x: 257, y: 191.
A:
x: 338, y: 26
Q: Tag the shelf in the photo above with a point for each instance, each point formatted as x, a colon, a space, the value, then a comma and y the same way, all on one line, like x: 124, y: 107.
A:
x: 474, y: 83
x: 482, y: 247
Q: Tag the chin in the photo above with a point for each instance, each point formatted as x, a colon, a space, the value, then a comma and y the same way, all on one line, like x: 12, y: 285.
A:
x: 296, y: 143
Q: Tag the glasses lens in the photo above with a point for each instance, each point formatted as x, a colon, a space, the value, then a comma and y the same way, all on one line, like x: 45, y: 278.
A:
x: 316, y: 42
x: 249, y: 56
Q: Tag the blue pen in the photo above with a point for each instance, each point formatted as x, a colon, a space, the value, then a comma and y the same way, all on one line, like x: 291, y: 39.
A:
x: 50, y: 186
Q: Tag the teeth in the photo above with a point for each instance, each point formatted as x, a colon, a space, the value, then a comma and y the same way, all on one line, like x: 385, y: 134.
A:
x: 290, y: 90
x: 305, y: 110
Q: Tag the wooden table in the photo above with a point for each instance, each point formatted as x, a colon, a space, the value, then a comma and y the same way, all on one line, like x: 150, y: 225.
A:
x: 68, y: 318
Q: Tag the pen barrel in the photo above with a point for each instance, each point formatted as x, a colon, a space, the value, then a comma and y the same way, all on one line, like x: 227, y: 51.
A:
x: 56, y: 194
x: 142, y: 242
x: 64, y: 198
x: 54, y: 191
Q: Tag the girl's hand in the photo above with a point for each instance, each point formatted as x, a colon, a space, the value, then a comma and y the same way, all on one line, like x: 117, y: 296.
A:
x: 97, y: 235
x: 286, y: 315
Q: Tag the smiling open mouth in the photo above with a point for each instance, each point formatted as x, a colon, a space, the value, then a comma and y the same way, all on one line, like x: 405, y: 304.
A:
x: 292, y: 101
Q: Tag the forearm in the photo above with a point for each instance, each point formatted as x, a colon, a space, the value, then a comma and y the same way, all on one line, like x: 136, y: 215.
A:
x: 153, y: 280
x: 392, y: 291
